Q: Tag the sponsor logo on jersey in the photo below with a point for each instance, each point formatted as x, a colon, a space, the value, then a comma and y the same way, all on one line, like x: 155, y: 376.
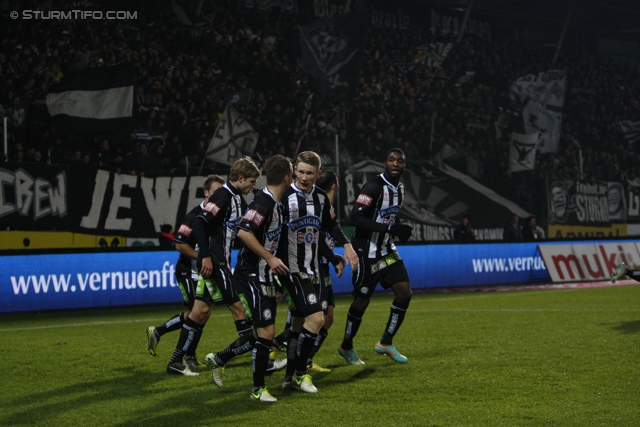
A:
x: 308, y: 237
x: 293, y: 207
x: 386, y: 196
x: 254, y: 216
x: 231, y: 225
x: 212, y: 208
x: 389, y: 212
x: 185, y: 230
x: 273, y: 235
x: 304, y: 222
x: 363, y: 199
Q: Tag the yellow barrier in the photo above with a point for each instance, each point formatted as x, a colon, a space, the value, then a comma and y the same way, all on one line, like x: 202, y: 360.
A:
x: 578, y: 231
x: 57, y: 240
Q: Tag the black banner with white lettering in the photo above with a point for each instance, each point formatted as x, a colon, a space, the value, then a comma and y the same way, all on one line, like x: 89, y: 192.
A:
x: 579, y: 203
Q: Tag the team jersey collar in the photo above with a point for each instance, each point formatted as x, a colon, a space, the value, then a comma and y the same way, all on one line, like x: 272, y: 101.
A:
x: 232, y: 189
x: 299, y: 191
x: 266, y: 191
x: 384, y: 178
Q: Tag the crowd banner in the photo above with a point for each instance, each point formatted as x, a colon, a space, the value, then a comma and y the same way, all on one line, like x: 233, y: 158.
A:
x: 522, y: 154
x: 587, y: 261
x: 583, y: 203
x: 82, y: 199
x: 542, y: 97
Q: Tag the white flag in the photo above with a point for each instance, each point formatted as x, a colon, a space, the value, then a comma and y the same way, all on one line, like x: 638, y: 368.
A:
x: 542, y: 96
x: 631, y: 130
x: 234, y: 138
x: 522, y: 154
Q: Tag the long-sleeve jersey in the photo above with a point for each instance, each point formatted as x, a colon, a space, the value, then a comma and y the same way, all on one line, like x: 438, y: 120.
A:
x: 215, y: 227
x: 185, y: 234
x: 375, y: 210
x: 263, y: 219
x: 305, y: 214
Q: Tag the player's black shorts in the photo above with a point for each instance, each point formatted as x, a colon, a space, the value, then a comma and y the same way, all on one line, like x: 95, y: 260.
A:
x: 219, y: 286
x: 187, y: 287
x: 387, y: 271
x: 303, y: 295
x: 259, y: 300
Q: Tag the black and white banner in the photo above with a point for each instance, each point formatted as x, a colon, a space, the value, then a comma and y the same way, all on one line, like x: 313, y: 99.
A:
x: 631, y: 130
x: 332, y: 51
x: 433, y: 54
x: 579, y: 203
x: 234, y: 138
x: 93, y: 102
x: 542, y: 97
x: 522, y: 154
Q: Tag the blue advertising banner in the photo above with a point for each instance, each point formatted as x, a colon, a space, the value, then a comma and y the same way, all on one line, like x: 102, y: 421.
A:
x: 106, y: 279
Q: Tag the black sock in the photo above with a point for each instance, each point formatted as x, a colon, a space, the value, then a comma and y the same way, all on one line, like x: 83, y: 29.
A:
x: 291, y: 353
x: 282, y: 338
x: 244, y: 327
x: 194, y: 343
x: 173, y: 324
x: 396, y: 317
x: 322, y: 335
x: 354, y: 319
x: 240, y: 346
x: 187, y: 333
x: 259, y: 360
x: 305, y: 344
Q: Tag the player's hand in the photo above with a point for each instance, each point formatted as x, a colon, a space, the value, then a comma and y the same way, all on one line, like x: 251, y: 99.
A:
x: 207, y: 267
x: 277, y: 266
x: 401, y: 231
x: 340, y: 266
x: 351, y: 256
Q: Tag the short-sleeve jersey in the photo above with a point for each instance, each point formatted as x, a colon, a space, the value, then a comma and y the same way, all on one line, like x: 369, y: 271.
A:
x: 186, y: 265
x: 222, y: 214
x: 305, y: 214
x: 379, y: 201
x: 263, y: 219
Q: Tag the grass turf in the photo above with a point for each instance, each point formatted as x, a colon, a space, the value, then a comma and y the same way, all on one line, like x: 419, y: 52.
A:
x: 520, y: 358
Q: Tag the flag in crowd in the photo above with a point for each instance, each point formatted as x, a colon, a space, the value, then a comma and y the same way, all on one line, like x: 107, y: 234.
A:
x: 233, y: 139
x: 332, y: 51
x: 93, y: 102
x: 631, y: 130
x: 241, y: 98
x: 433, y: 54
x: 522, y: 154
x: 542, y: 97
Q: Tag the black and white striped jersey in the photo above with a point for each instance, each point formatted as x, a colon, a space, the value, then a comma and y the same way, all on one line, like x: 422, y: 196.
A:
x: 263, y: 219
x: 305, y: 214
x: 375, y: 210
x: 216, y: 226
x: 185, y: 265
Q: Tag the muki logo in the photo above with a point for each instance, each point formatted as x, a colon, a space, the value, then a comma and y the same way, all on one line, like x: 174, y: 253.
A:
x: 304, y: 222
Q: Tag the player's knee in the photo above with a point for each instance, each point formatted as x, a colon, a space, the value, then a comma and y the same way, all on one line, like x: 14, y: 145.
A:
x: 360, y: 304
x: 314, y: 322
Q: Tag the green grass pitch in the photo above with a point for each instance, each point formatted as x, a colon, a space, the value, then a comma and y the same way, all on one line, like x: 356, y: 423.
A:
x: 565, y: 357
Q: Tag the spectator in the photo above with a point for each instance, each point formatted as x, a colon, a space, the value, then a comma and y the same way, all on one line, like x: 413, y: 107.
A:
x: 166, y: 236
x: 513, y: 229
x: 463, y: 231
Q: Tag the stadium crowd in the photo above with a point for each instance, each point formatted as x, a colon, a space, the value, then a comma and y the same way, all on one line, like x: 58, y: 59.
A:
x: 184, y: 72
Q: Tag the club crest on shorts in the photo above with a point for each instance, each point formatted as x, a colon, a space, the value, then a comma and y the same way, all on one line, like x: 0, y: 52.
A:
x: 312, y: 299
x: 324, y: 305
x: 266, y: 314
x: 364, y: 290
